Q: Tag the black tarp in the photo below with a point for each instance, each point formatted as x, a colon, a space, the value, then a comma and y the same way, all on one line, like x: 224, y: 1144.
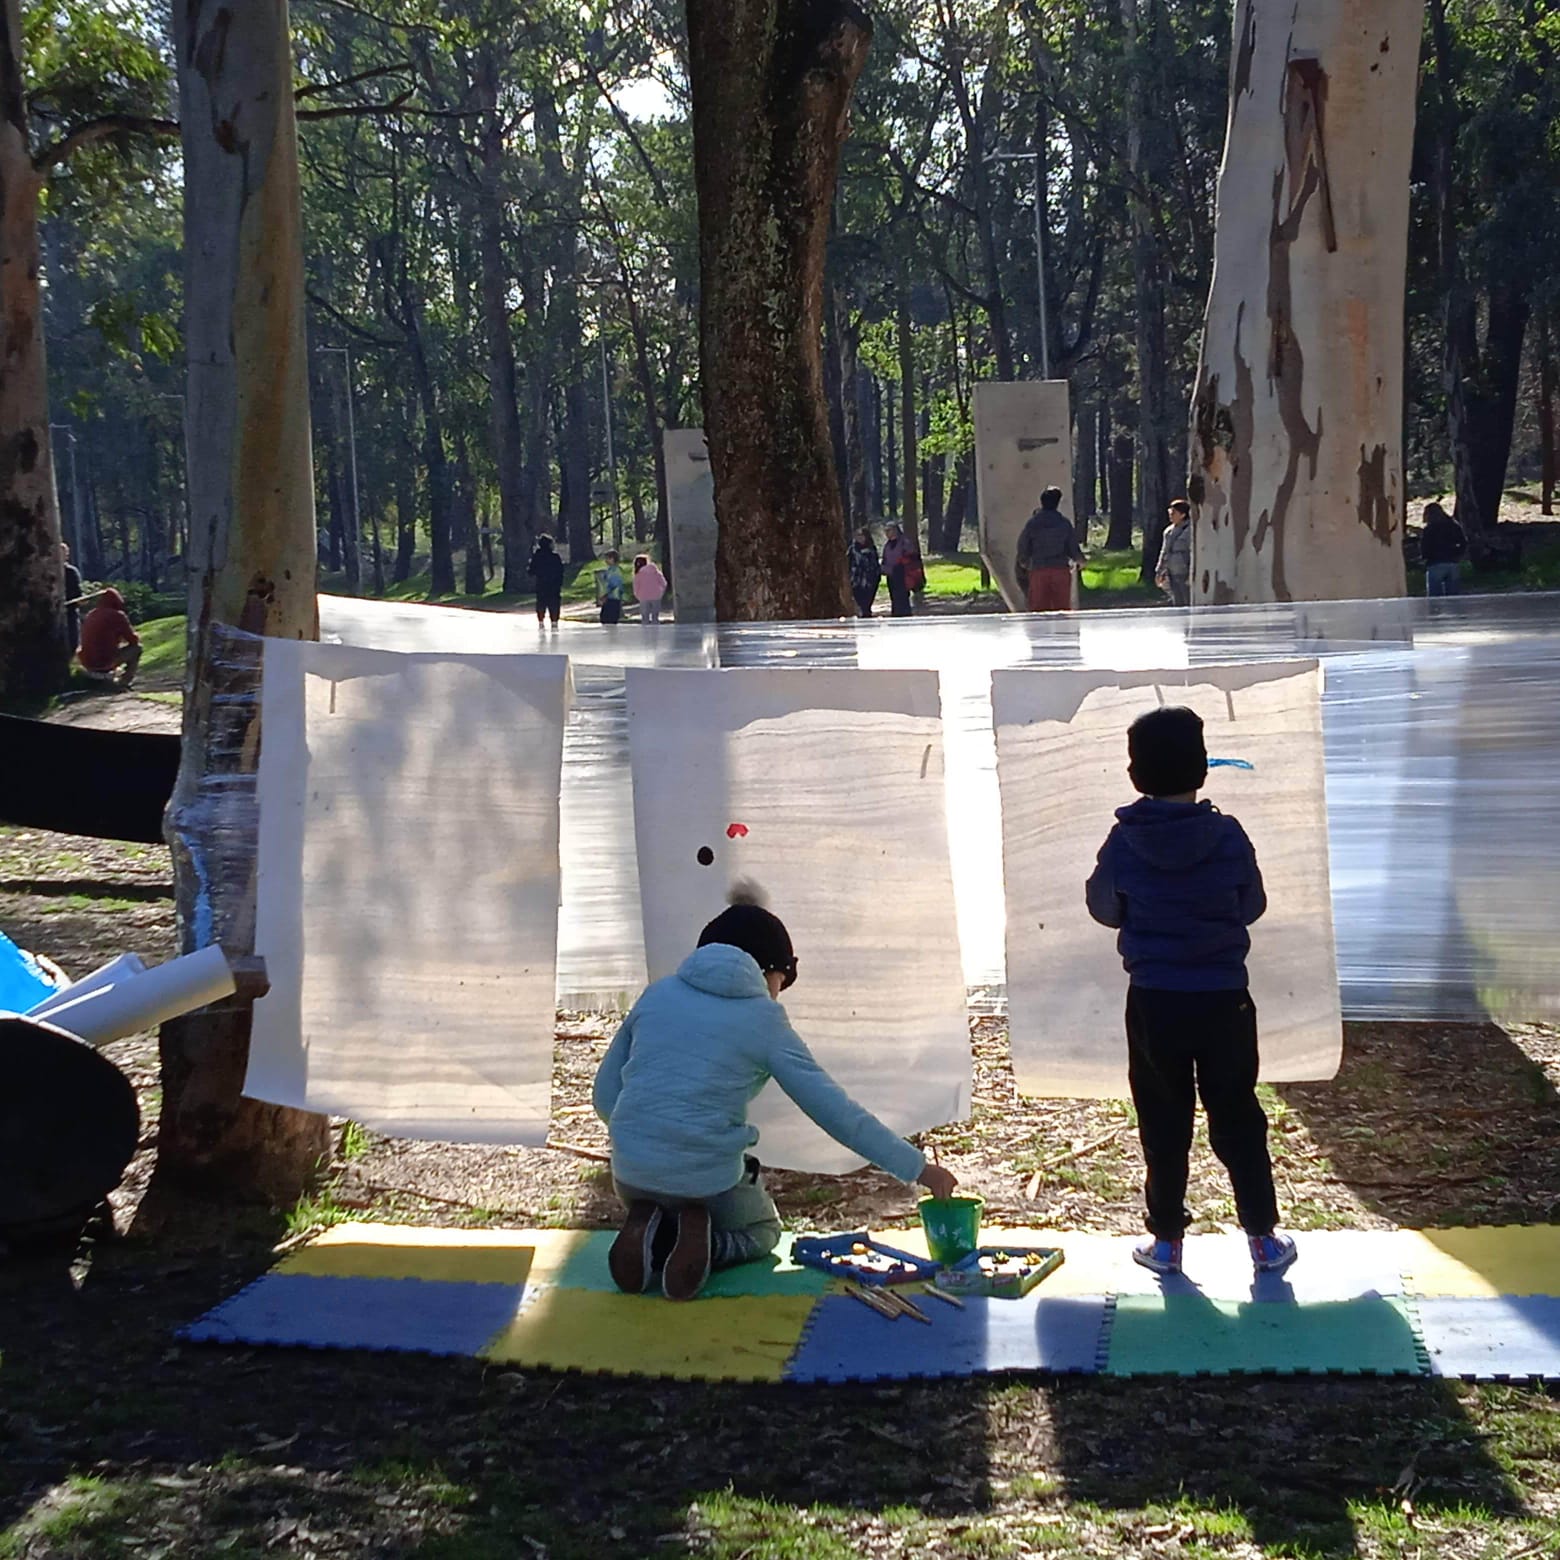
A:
x: 110, y: 785
x: 68, y: 1126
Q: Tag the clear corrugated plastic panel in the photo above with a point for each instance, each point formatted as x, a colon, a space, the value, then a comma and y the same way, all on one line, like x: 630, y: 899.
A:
x: 1442, y: 745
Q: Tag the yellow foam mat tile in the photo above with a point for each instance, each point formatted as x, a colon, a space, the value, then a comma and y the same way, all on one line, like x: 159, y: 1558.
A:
x: 740, y: 1339
x: 363, y: 1250
x: 1509, y: 1259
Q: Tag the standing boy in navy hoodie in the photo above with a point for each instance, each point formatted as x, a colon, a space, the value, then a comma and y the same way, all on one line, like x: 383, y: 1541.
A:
x: 1180, y: 880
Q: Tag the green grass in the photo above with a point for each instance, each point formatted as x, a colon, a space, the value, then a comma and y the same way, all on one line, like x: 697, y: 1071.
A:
x: 162, y: 650
x: 84, y: 1515
x: 579, y: 585
x: 355, y: 1141
x: 1112, y: 574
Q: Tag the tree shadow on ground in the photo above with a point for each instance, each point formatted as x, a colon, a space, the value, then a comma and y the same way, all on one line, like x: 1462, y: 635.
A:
x: 211, y: 1449
x: 206, y: 1450
x: 1441, y: 1124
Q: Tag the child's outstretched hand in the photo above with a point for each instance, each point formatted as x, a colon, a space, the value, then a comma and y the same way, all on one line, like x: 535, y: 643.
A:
x: 938, y: 1181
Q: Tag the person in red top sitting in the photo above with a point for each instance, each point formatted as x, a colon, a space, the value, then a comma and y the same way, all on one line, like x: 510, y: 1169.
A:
x: 108, y: 642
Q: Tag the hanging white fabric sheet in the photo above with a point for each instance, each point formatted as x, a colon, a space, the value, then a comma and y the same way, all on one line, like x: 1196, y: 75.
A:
x: 408, y: 889
x: 825, y: 788
x: 1061, y: 763
x: 601, y: 959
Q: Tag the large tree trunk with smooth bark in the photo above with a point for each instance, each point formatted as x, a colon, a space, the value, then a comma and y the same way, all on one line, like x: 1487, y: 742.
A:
x: 909, y: 421
x: 1148, y: 143
x: 252, y: 551
x: 771, y: 82
x: 1296, y: 430
x: 508, y: 441
x: 33, y: 649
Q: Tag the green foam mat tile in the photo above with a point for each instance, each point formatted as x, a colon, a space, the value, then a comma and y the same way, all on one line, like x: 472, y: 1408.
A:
x: 1187, y: 1335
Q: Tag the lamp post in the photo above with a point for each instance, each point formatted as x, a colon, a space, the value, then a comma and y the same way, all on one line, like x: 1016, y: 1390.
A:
x: 1039, y: 165
x: 75, y: 491
x: 357, y: 513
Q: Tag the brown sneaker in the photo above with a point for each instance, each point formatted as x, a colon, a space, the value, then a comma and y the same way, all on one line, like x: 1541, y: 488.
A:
x: 689, y: 1264
x: 629, y: 1261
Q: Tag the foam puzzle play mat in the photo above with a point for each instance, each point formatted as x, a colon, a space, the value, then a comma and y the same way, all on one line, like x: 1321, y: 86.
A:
x: 1479, y: 1304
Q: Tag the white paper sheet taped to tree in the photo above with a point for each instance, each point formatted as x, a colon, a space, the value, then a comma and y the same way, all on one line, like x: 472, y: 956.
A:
x: 408, y: 889
x: 837, y: 778
x: 1061, y: 763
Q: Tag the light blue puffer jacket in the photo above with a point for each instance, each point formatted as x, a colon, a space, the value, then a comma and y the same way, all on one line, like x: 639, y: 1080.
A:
x: 676, y: 1081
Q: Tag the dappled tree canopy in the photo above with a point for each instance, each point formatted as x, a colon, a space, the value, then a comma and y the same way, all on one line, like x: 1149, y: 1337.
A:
x: 501, y: 248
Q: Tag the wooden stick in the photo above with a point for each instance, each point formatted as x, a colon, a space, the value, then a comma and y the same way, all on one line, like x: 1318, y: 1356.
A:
x: 870, y: 1297
x: 943, y: 1295
x: 1071, y: 1154
x: 909, y: 1307
x: 867, y: 1300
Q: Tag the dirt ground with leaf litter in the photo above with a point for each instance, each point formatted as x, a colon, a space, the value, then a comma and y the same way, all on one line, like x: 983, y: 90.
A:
x: 115, y: 1440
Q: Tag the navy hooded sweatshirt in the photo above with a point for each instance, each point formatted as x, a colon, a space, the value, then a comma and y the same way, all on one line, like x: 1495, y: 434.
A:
x: 1180, y: 880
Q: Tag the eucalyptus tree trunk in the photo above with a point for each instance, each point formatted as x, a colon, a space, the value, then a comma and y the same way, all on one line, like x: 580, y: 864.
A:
x: 1296, y: 429
x: 508, y: 441
x: 1148, y: 141
x: 252, y: 550
x: 772, y: 82
x: 33, y: 649
x: 909, y: 421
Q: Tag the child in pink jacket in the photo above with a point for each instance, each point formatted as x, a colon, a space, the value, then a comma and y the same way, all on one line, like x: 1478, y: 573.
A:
x: 649, y: 588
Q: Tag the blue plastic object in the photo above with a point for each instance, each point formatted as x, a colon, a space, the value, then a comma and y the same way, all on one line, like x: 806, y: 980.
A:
x: 832, y: 1254
x: 22, y: 981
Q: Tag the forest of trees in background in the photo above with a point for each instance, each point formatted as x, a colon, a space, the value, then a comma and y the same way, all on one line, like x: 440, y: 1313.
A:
x: 501, y: 242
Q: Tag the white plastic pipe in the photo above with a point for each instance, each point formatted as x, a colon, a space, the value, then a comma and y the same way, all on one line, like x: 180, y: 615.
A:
x: 144, y: 1000
x: 110, y: 974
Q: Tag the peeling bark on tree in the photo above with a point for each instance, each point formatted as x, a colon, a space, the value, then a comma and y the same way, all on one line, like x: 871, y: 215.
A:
x: 1296, y: 429
x: 252, y: 546
x: 33, y: 651
x: 772, y: 82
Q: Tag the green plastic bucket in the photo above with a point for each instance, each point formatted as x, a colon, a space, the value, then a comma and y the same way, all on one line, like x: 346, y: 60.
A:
x: 952, y: 1226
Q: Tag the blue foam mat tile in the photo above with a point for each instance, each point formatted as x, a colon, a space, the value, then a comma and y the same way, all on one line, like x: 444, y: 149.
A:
x: 845, y: 1341
x: 1505, y: 1338
x: 421, y: 1316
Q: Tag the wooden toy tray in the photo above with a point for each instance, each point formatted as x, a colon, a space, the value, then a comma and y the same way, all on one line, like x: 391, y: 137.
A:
x: 857, y: 1256
x: 1016, y: 1274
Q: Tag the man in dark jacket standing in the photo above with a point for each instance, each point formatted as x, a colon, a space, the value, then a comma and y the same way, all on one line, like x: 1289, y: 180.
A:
x: 546, y: 568
x: 72, y: 597
x: 1442, y: 546
x: 1047, y: 551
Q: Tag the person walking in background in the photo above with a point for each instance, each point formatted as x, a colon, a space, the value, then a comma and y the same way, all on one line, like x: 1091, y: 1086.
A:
x: 1173, y: 572
x: 108, y: 642
x: 1442, y: 546
x: 897, y: 554
x: 609, y: 589
x: 915, y: 573
x: 649, y: 588
x: 1047, y: 552
x: 72, y: 597
x: 546, y: 568
x: 866, y: 572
